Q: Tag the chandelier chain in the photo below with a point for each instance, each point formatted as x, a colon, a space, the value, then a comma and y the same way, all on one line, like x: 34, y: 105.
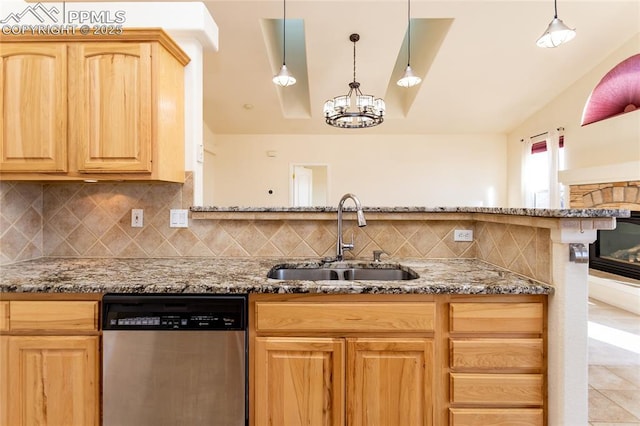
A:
x: 354, y: 61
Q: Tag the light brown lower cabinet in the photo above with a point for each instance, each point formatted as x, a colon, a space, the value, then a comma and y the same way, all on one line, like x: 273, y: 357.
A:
x: 340, y: 360
x: 389, y: 381
x: 299, y: 381
x: 391, y: 360
x: 497, y: 363
x: 50, y: 364
x: 302, y: 381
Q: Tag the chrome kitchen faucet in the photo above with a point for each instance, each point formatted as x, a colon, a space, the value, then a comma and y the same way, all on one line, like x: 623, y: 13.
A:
x: 341, y: 246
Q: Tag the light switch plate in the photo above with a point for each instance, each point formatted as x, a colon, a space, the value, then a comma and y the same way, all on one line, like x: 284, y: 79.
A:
x: 137, y: 218
x: 179, y: 218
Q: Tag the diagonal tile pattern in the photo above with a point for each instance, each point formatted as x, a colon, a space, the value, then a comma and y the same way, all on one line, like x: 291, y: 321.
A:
x: 518, y: 248
x: 21, y: 221
x: 94, y: 220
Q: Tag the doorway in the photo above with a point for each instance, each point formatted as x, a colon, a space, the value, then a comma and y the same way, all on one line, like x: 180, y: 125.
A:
x: 308, y: 185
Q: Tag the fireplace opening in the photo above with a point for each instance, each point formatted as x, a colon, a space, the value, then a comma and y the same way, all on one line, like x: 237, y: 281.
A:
x: 617, y: 251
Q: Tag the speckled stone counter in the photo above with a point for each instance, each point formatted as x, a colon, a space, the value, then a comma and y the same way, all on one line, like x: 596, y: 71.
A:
x: 208, y: 275
x: 556, y: 213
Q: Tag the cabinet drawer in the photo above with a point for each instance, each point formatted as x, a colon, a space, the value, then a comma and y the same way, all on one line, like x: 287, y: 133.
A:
x: 496, y: 417
x: 345, y: 317
x: 502, y: 389
x: 489, y: 354
x: 496, y: 317
x: 54, y: 316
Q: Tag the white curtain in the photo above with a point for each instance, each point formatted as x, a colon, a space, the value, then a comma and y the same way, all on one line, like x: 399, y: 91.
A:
x: 553, y: 148
x: 540, y: 171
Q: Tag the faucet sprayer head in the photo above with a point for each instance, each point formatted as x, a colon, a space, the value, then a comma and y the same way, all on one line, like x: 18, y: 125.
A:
x: 361, y: 220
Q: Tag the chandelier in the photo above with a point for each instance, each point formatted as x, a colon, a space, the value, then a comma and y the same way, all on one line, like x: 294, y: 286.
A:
x: 369, y: 111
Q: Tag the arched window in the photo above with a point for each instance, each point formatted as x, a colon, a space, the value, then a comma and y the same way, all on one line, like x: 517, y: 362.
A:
x: 617, y: 93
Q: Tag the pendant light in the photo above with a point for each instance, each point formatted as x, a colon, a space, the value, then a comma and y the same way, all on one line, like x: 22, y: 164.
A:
x: 409, y: 79
x: 369, y: 111
x: 557, y: 32
x: 284, y: 77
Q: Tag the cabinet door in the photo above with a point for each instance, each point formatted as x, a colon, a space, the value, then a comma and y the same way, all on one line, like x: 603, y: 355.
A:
x: 299, y: 381
x: 4, y: 380
x: 53, y: 380
x: 33, y: 107
x: 389, y: 382
x: 110, y: 106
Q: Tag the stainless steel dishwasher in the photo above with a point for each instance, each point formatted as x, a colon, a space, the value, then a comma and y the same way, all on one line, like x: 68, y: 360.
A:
x: 174, y: 360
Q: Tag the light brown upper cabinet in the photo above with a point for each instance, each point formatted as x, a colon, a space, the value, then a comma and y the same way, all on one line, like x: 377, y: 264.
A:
x: 83, y: 107
x: 33, y: 111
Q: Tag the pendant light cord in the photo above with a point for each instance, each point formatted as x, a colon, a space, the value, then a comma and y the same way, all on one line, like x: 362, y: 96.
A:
x: 409, y: 34
x: 284, y: 33
x: 555, y: 9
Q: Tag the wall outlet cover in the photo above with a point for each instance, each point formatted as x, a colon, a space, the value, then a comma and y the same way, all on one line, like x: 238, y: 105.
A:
x: 179, y: 218
x: 463, y: 235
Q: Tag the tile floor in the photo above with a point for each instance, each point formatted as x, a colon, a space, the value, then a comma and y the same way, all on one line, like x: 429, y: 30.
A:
x: 614, y: 366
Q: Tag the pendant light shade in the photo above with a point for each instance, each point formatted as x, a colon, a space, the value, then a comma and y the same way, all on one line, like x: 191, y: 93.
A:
x: 284, y: 77
x: 557, y: 32
x: 409, y: 79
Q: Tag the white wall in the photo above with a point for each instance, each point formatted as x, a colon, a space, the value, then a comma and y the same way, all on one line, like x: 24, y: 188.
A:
x: 208, y: 138
x: 382, y: 170
x: 606, y: 143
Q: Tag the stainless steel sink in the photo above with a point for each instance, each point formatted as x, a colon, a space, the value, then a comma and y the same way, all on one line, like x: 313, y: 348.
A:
x: 342, y: 272
x: 311, y: 274
x: 379, y: 274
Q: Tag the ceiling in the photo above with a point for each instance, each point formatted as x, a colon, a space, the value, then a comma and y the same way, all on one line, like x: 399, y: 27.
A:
x: 482, y: 71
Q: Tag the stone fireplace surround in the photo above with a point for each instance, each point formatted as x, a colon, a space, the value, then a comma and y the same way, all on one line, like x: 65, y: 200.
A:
x: 622, y: 195
x: 618, y: 291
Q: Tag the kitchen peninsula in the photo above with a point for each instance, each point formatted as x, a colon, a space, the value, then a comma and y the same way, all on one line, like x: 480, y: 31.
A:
x: 524, y: 262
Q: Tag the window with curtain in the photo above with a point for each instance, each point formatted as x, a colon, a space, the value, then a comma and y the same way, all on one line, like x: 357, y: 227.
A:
x: 543, y: 157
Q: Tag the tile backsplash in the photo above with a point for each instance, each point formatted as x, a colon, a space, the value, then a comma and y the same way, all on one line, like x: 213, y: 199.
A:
x: 94, y: 220
x: 21, y: 219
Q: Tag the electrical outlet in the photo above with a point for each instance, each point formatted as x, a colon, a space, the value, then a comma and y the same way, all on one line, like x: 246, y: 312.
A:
x: 179, y: 218
x: 463, y: 235
x: 137, y: 218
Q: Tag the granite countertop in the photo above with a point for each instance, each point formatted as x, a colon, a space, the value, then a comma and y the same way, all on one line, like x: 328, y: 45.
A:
x: 249, y: 275
x: 557, y: 213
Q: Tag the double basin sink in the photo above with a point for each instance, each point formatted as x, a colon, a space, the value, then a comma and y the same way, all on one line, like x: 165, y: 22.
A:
x: 347, y: 272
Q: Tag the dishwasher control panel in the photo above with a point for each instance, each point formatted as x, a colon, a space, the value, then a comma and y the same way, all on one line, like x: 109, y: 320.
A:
x: 125, y: 312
